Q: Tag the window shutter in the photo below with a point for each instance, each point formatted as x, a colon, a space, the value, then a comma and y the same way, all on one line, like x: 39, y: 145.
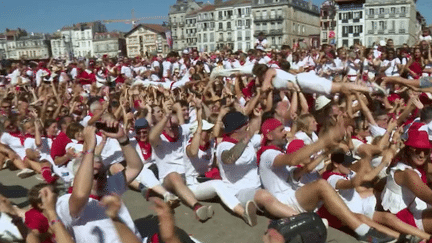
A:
x: 350, y: 29
x: 361, y: 14
x: 361, y: 28
x: 340, y: 15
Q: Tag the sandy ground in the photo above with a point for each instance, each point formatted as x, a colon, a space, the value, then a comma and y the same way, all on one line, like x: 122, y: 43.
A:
x: 222, y: 228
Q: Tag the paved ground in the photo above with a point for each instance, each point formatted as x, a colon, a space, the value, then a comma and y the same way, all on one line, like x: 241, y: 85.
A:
x: 222, y: 228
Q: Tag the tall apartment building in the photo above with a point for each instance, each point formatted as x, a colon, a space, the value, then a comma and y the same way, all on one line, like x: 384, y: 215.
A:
x: 233, y: 24
x: 205, y: 28
x: 177, y: 18
x: 8, y: 42
x: 77, y: 40
x: 285, y: 21
x: 350, y: 20
x: 392, y: 19
x: 33, y: 46
x: 328, y: 22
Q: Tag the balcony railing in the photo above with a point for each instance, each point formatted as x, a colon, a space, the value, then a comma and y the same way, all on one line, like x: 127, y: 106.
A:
x: 392, y: 31
x: 371, y: 16
x: 402, y: 14
x: 392, y: 15
x: 381, y: 15
x: 401, y: 31
x: 380, y: 32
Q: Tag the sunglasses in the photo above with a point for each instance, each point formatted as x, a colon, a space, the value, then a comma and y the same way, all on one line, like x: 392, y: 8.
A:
x: 419, y: 150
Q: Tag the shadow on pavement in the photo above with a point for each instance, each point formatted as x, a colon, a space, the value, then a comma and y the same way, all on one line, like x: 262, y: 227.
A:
x: 149, y: 226
x: 13, y: 191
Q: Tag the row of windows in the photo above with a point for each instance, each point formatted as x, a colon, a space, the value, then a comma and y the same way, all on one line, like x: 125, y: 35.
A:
x: 273, y: 13
x: 384, y: 25
x: 247, y: 36
x: 272, y: 25
x: 391, y: 10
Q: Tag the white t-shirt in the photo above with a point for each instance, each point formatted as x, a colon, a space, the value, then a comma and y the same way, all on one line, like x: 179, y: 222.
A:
x: 243, y: 174
x: 275, y: 179
x: 92, y: 225
x: 350, y: 196
x: 199, y: 165
x: 393, y: 70
x: 169, y: 155
x: 127, y: 71
x: 14, y: 143
x: 166, y: 65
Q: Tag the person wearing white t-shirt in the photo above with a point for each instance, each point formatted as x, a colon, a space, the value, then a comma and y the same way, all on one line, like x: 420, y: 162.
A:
x: 198, y: 161
x: 277, y: 168
x: 353, y: 67
x: 237, y: 159
x: 391, y: 65
x: 81, y: 211
x: 168, y: 139
x: 261, y: 42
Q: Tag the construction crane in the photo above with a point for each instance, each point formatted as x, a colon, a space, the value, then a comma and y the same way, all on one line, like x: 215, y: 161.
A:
x: 134, y: 21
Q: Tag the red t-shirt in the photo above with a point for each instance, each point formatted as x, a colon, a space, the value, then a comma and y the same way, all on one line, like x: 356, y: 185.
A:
x: 35, y: 220
x: 58, y: 148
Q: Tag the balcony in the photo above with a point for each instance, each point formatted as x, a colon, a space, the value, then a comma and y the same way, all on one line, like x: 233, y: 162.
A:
x: 370, y: 31
x: 356, y: 34
x: 402, y: 15
x: 247, y: 38
x: 239, y: 38
x: 392, y: 31
x: 392, y: 15
x: 401, y: 31
x: 181, y: 24
x: 356, y: 20
x: 229, y: 38
x: 221, y: 40
x: 345, y: 21
x: 174, y: 25
x: 371, y: 16
x: 275, y: 32
x: 381, y: 15
x: 380, y: 32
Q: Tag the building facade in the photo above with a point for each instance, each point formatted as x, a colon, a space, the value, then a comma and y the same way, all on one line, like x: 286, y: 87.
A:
x: 8, y: 42
x: 109, y: 43
x: 350, y: 21
x: 34, y: 46
x: 391, y: 19
x: 285, y: 21
x: 146, y: 39
x: 177, y: 21
x: 205, y: 28
x: 233, y: 24
x: 77, y: 40
x: 328, y: 22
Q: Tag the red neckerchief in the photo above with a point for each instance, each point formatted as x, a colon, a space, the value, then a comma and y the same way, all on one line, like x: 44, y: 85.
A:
x: 19, y: 135
x: 169, y: 138
x: 70, y: 190
x: 146, y: 149
x: 90, y: 114
x: 204, y: 147
x: 227, y: 138
x: 51, y: 137
x: 242, y: 63
x: 264, y: 148
x: 329, y: 173
x: 361, y: 139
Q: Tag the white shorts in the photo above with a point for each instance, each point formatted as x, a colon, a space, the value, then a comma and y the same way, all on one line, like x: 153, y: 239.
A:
x: 312, y: 83
x: 291, y: 200
x: 368, y: 206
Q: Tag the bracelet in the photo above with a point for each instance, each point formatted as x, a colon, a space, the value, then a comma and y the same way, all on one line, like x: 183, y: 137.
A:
x: 124, y: 143
x: 52, y: 222
x: 90, y: 151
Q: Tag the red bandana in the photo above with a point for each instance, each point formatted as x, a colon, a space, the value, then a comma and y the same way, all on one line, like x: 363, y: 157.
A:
x: 226, y: 138
x: 91, y: 195
x: 329, y: 173
x: 169, y: 138
x: 146, y: 149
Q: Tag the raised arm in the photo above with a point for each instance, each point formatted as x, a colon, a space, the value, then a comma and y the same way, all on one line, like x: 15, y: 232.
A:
x: 193, y: 148
x: 156, y: 131
x: 134, y: 164
x: 83, y: 181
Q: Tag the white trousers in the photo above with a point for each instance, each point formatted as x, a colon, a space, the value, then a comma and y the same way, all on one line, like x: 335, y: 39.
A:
x: 213, y: 188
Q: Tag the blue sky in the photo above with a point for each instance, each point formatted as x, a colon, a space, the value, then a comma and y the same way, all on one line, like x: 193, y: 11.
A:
x: 50, y: 15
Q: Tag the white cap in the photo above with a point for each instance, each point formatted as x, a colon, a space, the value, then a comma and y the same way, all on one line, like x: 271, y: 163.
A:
x: 321, y: 102
x: 185, y: 52
x: 206, y: 126
x: 382, y: 43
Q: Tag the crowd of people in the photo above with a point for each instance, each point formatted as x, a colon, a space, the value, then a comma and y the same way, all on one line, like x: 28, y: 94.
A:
x: 344, y: 132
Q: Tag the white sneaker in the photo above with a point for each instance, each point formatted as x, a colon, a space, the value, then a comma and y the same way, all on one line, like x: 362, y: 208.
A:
x: 24, y: 173
x: 203, y: 213
x: 172, y: 200
x: 250, y: 214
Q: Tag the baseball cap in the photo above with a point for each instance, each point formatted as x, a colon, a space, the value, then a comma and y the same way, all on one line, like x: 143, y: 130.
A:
x: 141, y: 124
x: 205, y: 127
x: 342, y: 157
x: 233, y: 121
